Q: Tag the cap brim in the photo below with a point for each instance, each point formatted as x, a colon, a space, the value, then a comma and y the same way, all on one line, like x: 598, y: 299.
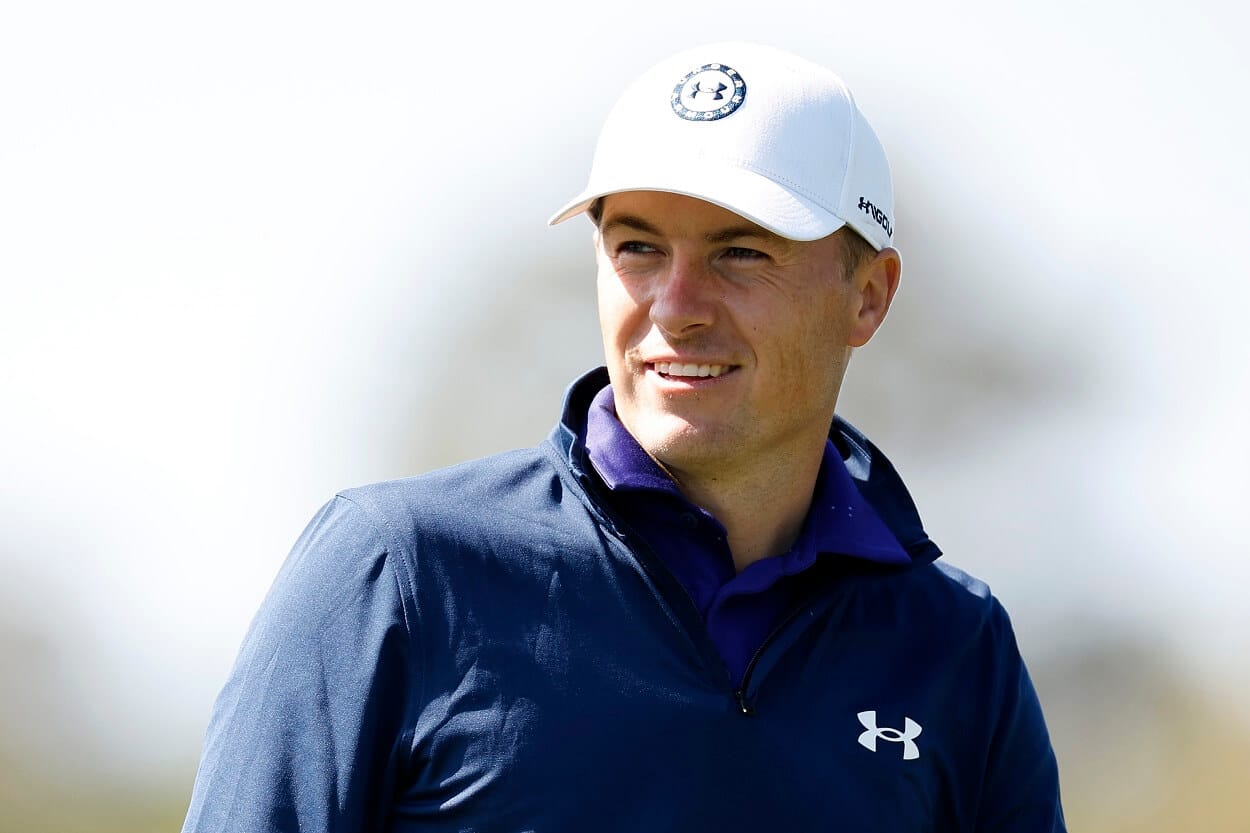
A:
x: 744, y: 192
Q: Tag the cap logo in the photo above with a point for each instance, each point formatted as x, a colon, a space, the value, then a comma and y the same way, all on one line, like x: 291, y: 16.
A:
x: 710, y: 92
x: 877, y: 214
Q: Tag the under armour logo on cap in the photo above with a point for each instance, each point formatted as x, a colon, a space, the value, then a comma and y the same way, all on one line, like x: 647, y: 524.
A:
x: 911, y: 730
x: 710, y: 92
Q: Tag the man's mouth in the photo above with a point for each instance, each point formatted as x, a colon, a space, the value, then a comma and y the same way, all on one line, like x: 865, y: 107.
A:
x: 677, y: 370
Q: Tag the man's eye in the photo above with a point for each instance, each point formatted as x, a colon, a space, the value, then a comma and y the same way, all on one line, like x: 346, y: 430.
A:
x: 635, y: 247
x: 742, y: 253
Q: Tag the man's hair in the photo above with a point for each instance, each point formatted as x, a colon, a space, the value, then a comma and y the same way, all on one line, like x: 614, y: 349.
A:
x: 856, y: 251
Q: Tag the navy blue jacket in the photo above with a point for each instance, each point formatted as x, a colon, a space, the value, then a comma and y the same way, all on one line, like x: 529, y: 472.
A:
x: 485, y: 648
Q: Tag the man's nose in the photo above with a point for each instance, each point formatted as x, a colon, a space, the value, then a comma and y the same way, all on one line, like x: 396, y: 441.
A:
x: 684, y: 295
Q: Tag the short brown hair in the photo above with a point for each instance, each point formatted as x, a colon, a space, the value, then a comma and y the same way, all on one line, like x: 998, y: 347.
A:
x: 856, y: 251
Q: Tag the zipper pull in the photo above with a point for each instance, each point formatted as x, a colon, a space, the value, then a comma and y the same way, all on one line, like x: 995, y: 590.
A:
x: 743, y: 705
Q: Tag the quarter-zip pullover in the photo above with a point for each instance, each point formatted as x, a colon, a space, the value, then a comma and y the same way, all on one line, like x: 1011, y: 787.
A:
x: 490, y: 647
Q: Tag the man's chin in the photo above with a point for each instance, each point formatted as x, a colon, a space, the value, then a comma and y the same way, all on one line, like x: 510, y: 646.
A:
x: 678, y: 444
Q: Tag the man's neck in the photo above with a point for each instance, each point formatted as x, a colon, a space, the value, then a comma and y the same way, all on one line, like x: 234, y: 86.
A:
x: 762, y: 509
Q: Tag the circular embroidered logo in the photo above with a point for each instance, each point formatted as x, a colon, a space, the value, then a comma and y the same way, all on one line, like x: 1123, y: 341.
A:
x: 710, y: 92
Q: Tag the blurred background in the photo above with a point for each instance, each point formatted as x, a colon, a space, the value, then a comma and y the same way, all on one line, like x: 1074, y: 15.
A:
x: 253, y: 253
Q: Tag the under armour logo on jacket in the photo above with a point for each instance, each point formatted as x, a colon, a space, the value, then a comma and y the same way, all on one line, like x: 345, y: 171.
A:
x: 907, y: 737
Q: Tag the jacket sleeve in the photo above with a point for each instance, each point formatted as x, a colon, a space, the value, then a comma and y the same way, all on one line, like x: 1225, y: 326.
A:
x: 309, y: 733
x: 1020, y: 792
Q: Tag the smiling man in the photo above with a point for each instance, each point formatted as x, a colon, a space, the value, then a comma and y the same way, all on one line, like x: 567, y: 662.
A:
x: 705, y: 603
x: 726, y: 346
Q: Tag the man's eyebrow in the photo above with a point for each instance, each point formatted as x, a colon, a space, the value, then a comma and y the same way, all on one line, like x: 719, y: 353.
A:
x: 736, y: 232
x: 628, y: 221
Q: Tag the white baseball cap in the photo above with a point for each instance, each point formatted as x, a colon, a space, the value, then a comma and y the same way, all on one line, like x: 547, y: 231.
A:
x: 766, y: 134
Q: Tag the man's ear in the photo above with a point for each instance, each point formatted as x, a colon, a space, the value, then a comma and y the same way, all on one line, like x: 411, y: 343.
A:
x: 875, y: 281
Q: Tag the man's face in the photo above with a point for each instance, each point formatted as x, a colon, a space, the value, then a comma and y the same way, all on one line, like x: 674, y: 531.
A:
x: 724, y: 342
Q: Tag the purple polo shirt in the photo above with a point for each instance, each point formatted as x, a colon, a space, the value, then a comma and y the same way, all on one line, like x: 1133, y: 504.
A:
x: 740, y: 609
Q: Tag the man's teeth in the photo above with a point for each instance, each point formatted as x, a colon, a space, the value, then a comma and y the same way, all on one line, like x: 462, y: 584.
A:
x: 675, y: 369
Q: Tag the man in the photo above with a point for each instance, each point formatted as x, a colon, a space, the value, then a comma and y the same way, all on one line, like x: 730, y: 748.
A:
x: 704, y: 603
